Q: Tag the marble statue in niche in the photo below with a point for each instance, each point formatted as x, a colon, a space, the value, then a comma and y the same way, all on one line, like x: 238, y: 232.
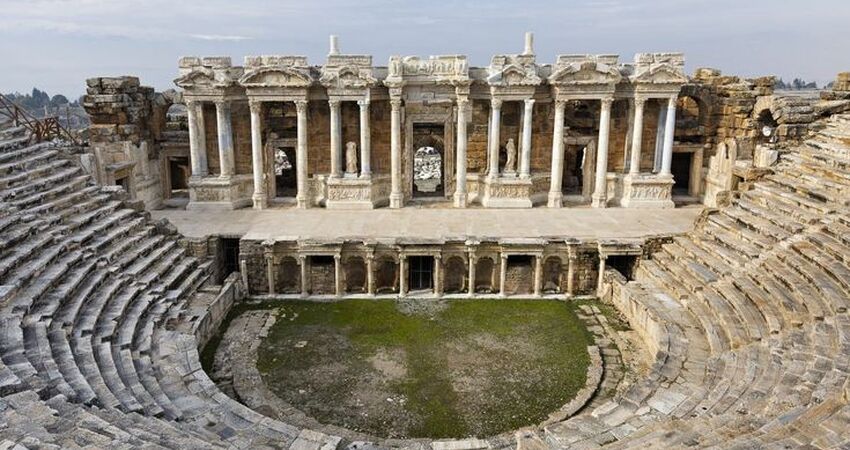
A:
x: 510, y: 164
x: 351, y: 158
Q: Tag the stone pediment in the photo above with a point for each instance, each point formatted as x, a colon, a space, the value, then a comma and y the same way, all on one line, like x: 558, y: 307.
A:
x: 587, y: 72
x: 347, y: 77
x: 201, y: 77
x: 513, y: 70
x: 661, y: 74
x: 277, y: 76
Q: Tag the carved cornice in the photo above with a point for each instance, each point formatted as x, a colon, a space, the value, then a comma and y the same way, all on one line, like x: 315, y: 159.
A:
x: 442, y: 69
x: 583, y: 72
x: 513, y: 70
x: 277, y: 76
x: 347, y: 77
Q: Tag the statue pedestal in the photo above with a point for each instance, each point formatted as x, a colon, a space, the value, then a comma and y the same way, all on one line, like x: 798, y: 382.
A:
x: 214, y: 192
x: 507, y: 192
x: 647, y: 191
x: 357, y: 193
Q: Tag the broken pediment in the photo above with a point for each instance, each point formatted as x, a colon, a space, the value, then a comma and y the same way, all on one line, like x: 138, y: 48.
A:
x: 347, y: 77
x: 513, y: 70
x: 199, y: 76
x: 660, y: 74
x: 585, y: 73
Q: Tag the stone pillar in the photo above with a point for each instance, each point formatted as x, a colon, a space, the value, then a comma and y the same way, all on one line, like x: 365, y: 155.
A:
x: 525, y: 157
x: 538, y: 274
x: 225, y: 138
x: 471, y: 287
x: 302, y: 260
x: 396, y: 197
x: 601, y: 277
x: 402, y: 275
x: 370, y: 275
x: 495, y: 125
x: 637, y: 136
x: 270, y: 275
x: 338, y: 275
x: 260, y: 198
x: 197, y: 138
x: 571, y: 272
x: 460, y: 165
x: 503, y: 275
x: 438, y: 275
x: 669, y: 131
x: 600, y: 188
x: 302, y: 197
x: 365, y: 140
x: 336, y: 139
x: 555, y: 194
x: 659, y: 138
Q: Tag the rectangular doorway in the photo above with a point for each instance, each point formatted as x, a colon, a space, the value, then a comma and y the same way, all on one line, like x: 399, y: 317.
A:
x: 229, y: 256
x: 421, y: 273
x: 681, y: 170
x: 178, y: 175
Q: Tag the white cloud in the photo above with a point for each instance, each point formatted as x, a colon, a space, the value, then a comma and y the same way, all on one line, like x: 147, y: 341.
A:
x: 219, y: 37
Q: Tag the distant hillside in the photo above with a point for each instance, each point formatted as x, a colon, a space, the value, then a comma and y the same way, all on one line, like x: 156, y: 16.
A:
x: 40, y: 104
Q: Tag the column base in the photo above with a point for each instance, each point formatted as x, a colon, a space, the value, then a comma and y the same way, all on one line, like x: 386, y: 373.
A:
x: 396, y: 200
x: 506, y: 192
x: 261, y: 201
x: 556, y: 200
x: 647, y: 191
x: 301, y: 202
x: 460, y: 199
x: 599, y: 201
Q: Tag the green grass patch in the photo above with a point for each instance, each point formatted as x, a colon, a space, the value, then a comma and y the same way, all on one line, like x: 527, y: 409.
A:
x: 460, y: 368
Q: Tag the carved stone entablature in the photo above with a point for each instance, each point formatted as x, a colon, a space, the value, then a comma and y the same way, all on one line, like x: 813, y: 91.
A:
x: 647, y: 191
x: 513, y: 70
x: 207, y: 74
x: 277, y: 76
x: 585, y: 76
x: 347, y: 74
x: 658, y: 72
x: 447, y: 69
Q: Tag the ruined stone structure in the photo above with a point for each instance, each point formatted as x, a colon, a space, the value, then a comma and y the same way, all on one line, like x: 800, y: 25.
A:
x: 743, y: 317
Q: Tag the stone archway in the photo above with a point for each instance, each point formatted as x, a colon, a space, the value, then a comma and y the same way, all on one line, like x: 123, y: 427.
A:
x: 455, y: 278
x: 386, y: 275
x: 355, y: 275
x: 484, y: 271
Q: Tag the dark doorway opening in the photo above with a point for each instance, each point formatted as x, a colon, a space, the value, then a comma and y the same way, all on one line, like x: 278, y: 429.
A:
x: 572, y: 181
x: 421, y: 273
x: 124, y: 182
x: 178, y: 174
x: 428, y: 160
x: 284, y: 172
x: 625, y: 264
x: 519, y: 275
x: 322, y: 275
x: 229, y: 256
x: 681, y: 169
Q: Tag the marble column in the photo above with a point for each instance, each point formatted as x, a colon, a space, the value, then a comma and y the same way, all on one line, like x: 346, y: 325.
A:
x: 260, y: 198
x: 365, y: 140
x: 669, y: 131
x: 370, y: 275
x: 555, y: 189
x: 396, y: 197
x: 301, y: 155
x: 338, y: 288
x: 402, y: 275
x: 336, y: 139
x: 600, y: 188
x: 495, y: 125
x: 571, y: 273
x: 225, y: 138
x: 471, y: 287
x: 302, y: 261
x: 438, y: 275
x: 197, y: 138
x: 659, y: 138
x: 525, y: 156
x: 460, y: 166
x: 637, y: 136
x: 601, y: 278
x: 270, y: 276
x: 503, y: 275
x: 538, y: 274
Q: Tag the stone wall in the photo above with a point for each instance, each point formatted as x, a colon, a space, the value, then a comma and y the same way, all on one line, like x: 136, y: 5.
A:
x: 127, y: 122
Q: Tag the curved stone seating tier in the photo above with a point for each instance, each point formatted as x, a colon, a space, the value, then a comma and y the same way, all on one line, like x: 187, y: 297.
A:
x: 745, y: 321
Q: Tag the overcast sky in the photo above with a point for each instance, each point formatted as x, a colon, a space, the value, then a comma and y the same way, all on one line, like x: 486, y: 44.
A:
x: 56, y: 44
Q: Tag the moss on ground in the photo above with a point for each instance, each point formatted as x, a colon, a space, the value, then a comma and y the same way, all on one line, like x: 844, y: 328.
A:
x: 466, y: 368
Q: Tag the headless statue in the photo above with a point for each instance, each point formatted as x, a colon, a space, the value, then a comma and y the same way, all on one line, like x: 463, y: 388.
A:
x: 510, y: 165
x: 351, y: 158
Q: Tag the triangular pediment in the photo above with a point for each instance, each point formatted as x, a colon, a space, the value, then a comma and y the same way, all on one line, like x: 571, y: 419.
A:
x: 281, y: 76
x: 347, y: 77
x: 588, y: 72
x: 661, y: 74
x: 201, y: 76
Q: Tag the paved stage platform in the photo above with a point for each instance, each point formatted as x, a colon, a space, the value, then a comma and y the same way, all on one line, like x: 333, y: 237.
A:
x: 433, y: 223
